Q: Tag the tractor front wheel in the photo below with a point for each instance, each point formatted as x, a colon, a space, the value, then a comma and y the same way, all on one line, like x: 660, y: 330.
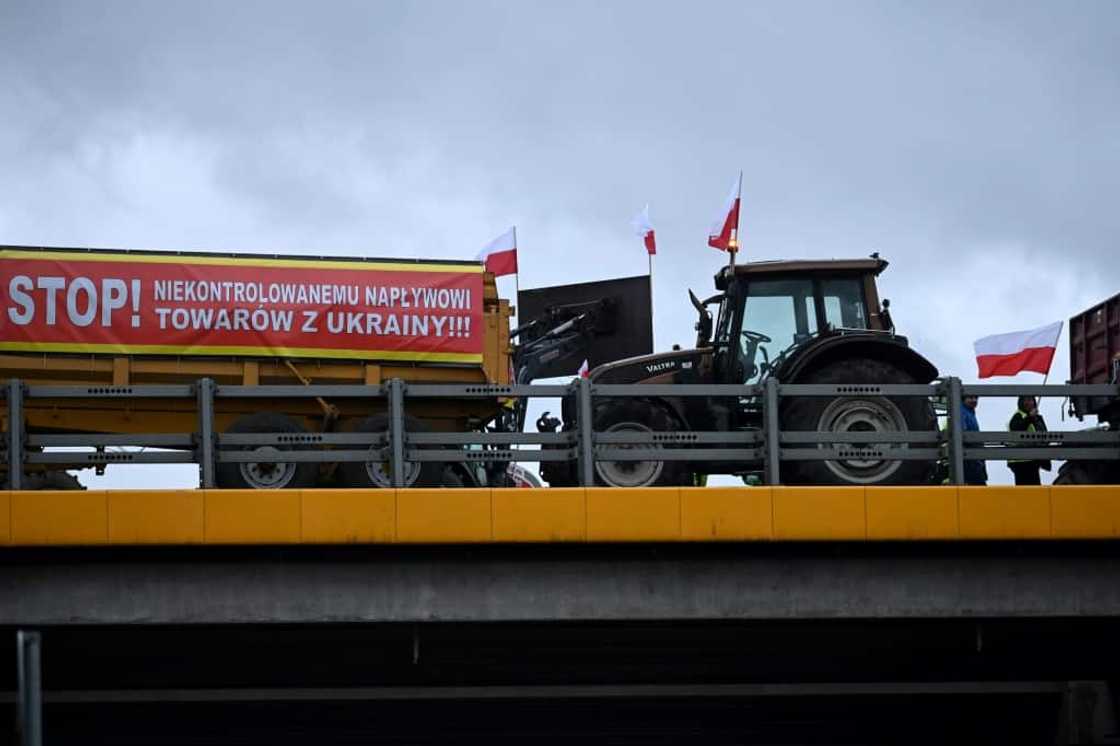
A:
x: 638, y: 417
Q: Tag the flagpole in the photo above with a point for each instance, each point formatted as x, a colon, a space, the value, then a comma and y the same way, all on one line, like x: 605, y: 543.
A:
x: 516, y: 284
x: 1046, y: 377
x: 650, y: 257
x: 733, y: 243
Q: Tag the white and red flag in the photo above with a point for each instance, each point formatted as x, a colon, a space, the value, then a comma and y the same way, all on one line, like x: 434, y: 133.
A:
x: 644, y: 230
x: 500, y: 255
x: 584, y: 369
x: 724, y: 234
x: 1014, y: 352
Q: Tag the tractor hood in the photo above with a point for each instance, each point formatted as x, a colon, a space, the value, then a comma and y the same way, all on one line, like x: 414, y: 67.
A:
x: 678, y: 366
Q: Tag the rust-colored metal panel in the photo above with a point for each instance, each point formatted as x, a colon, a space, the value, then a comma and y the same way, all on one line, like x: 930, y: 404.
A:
x: 1094, y: 341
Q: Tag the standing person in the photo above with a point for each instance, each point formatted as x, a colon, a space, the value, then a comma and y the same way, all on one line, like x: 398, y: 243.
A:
x: 1027, y: 419
x: 975, y: 472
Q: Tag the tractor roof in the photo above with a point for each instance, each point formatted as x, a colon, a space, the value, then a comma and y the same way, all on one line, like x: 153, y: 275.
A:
x: 871, y: 264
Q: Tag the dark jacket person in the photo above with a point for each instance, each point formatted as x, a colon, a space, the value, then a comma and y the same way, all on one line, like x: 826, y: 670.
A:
x: 975, y: 472
x: 1027, y: 419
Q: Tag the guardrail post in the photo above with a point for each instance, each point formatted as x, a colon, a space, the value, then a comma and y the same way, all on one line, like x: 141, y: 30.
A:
x: 15, y: 434
x: 772, y: 423
x: 584, y: 431
x: 205, y: 393
x: 30, y: 718
x: 956, y: 436
x: 396, y: 431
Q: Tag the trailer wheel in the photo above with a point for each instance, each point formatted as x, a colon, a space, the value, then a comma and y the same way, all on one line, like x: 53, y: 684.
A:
x: 264, y: 475
x: 865, y: 413
x: 378, y: 473
x: 637, y: 417
x: 1086, y: 472
x: 50, y: 480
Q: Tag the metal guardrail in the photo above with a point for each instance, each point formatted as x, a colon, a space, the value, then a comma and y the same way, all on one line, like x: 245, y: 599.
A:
x: 769, y: 446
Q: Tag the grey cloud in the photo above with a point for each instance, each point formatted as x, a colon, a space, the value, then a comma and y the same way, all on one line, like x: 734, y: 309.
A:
x: 973, y: 144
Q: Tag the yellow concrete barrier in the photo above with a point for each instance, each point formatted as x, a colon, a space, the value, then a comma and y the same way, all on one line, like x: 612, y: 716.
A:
x: 149, y: 517
x: 1004, y: 512
x: 1085, y: 512
x: 640, y: 514
x: 444, y: 516
x: 534, y: 515
x: 700, y: 514
x: 5, y: 518
x: 252, y: 516
x: 899, y: 513
x: 348, y: 516
x: 727, y: 514
x: 819, y: 513
x: 65, y: 517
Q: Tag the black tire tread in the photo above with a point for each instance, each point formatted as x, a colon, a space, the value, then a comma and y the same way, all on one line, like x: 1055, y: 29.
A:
x: 228, y: 475
x: 803, y: 413
x: 648, y: 412
x: 354, y: 474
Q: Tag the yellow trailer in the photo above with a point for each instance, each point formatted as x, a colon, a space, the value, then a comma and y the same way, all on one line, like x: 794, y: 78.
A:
x: 52, y: 291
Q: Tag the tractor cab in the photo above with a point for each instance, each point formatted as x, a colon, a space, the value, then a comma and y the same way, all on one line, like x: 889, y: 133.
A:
x: 770, y: 311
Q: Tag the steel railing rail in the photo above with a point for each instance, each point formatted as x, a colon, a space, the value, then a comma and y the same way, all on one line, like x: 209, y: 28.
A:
x: 769, y: 445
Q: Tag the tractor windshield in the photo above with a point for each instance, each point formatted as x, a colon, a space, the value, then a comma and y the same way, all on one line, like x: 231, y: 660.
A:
x: 778, y: 314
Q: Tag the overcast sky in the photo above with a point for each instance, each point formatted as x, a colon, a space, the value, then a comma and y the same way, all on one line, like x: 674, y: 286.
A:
x: 975, y: 145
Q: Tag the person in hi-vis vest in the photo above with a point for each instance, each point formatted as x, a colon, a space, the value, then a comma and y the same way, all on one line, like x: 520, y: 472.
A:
x: 1027, y: 419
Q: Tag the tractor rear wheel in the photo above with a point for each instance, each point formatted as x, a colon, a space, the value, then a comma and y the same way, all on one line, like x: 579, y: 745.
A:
x: 872, y: 465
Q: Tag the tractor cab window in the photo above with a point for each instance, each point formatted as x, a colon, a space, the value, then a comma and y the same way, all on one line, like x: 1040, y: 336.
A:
x: 843, y: 303
x: 777, y: 316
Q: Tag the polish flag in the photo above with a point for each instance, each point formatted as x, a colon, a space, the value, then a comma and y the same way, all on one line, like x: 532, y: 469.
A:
x: 500, y: 255
x: 724, y: 234
x: 1008, y: 354
x: 644, y: 230
x: 584, y: 369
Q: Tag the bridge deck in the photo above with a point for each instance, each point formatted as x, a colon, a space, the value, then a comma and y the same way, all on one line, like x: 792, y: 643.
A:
x: 572, y: 515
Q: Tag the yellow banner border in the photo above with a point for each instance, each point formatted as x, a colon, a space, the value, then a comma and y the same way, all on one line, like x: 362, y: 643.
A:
x: 244, y: 260
x: 244, y: 351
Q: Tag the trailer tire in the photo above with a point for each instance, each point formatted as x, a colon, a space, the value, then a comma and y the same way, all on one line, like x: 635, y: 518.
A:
x: 376, y: 474
x: 264, y: 475
x: 50, y: 480
x: 867, y: 413
x: 1087, y: 472
x: 634, y: 415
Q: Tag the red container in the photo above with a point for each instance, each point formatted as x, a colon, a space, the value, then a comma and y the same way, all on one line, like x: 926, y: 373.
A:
x: 1094, y: 355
